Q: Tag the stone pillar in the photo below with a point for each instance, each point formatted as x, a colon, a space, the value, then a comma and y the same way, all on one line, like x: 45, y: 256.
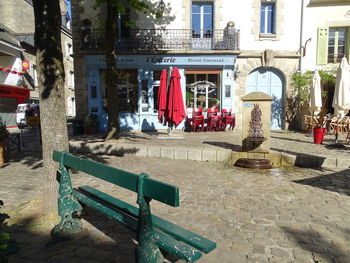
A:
x: 256, y: 119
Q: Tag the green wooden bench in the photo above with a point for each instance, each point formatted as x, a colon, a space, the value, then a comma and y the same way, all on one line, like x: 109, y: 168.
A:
x: 152, y: 232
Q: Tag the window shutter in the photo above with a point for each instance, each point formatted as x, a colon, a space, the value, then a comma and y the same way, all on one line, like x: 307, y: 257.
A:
x: 347, y: 43
x: 322, y: 45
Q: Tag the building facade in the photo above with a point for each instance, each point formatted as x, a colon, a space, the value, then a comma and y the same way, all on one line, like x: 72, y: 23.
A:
x: 223, y: 52
x: 325, y: 34
x: 11, y: 77
x: 21, y: 26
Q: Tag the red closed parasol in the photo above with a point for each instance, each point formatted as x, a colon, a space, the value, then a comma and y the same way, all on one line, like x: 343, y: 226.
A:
x: 175, y: 105
x: 162, y: 98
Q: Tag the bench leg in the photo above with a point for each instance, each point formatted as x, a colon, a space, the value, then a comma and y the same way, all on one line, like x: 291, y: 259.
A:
x: 147, y: 251
x: 68, y: 206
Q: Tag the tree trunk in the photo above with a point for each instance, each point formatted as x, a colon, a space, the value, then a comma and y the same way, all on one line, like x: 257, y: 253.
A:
x: 50, y: 70
x: 111, y: 73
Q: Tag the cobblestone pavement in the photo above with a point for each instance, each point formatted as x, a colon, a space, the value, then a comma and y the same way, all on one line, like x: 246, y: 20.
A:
x: 294, y: 215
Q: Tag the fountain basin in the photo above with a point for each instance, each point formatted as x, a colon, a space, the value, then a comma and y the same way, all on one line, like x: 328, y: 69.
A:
x: 253, y: 163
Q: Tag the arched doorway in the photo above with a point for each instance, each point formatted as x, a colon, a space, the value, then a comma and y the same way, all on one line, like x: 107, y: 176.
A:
x: 269, y: 81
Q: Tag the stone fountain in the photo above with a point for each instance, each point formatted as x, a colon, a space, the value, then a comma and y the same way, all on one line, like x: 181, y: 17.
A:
x: 256, y: 131
x: 255, y: 134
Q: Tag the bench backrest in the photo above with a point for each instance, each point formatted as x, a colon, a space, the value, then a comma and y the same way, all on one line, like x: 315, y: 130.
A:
x: 162, y: 192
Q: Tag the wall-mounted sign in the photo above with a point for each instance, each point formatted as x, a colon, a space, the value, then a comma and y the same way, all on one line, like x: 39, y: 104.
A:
x: 136, y: 61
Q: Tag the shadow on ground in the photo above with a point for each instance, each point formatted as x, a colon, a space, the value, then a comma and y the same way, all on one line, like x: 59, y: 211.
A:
x: 225, y: 145
x: 102, y: 240
x: 336, y: 182
x: 322, y: 248
x: 102, y: 149
x: 32, y: 159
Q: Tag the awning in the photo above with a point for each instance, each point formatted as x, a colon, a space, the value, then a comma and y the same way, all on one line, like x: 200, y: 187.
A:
x: 13, y: 91
x: 8, y: 41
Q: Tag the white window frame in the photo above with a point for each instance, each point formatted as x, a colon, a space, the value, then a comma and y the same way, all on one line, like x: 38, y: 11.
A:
x: 69, y: 50
x: 266, y: 20
x: 71, y: 83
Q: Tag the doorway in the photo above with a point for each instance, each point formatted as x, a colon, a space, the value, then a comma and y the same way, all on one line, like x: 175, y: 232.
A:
x: 271, y: 82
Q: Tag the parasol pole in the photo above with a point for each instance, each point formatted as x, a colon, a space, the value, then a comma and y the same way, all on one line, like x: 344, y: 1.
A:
x: 170, y: 123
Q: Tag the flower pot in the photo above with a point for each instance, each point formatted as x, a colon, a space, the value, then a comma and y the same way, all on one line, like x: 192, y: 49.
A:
x: 4, y: 152
x: 318, y: 135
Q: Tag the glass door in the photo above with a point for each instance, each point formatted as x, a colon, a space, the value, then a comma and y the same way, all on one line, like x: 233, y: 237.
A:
x: 202, y: 25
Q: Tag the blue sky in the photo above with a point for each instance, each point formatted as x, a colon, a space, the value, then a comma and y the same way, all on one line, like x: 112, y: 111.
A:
x: 69, y: 8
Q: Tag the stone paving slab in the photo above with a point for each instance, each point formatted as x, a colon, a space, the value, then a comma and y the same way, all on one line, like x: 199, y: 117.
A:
x: 282, y: 215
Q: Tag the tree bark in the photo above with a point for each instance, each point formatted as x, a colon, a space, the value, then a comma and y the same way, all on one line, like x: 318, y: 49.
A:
x: 51, y: 76
x: 111, y: 72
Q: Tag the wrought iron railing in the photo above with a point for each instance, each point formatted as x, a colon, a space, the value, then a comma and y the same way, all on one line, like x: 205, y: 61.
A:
x: 164, y: 39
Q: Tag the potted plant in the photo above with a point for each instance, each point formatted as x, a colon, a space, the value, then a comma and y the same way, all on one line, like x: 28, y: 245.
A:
x: 319, y: 129
x: 4, y: 151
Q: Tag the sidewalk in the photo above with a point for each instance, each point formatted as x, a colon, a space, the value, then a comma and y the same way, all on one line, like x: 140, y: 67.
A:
x: 287, y: 148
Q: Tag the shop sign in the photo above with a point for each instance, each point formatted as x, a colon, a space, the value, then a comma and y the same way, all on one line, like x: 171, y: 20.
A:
x: 159, y: 60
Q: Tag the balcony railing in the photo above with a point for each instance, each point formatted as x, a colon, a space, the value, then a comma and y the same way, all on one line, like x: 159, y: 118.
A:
x: 164, y: 39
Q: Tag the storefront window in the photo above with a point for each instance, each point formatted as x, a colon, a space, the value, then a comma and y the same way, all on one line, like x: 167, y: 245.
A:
x: 202, y: 90
x: 127, y: 86
x: 156, y: 81
x: 144, y: 96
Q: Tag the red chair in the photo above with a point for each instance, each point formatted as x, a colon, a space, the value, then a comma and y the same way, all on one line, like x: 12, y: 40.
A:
x: 214, y: 123
x: 198, y: 120
x: 227, y: 119
x: 211, y: 112
x: 189, y: 118
x: 226, y: 112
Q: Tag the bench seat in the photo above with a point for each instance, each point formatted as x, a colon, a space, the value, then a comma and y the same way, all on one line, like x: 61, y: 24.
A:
x: 168, y: 235
x: 153, y: 233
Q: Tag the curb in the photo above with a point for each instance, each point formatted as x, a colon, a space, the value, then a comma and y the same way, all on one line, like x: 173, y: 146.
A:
x: 207, y: 155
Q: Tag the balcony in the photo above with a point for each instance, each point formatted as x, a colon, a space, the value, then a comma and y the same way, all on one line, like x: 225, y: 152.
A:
x: 164, y: 40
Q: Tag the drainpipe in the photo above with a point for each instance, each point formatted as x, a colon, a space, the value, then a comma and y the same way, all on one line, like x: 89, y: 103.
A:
x: 301, y: 48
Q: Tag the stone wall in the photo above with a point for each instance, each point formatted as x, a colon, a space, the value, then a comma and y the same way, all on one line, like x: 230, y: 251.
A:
x: 17, y: 15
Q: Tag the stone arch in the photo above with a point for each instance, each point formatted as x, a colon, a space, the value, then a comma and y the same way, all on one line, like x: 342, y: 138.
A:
x: 272, y: 82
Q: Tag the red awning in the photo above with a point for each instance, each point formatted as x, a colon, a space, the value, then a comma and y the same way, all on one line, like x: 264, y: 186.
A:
x: 13, y: 91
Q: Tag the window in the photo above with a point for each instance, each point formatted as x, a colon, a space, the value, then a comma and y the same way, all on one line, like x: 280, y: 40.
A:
x: 35, y: 76
x: 336, y: 44
x: 71, y: 83
x: 69, y: 50
x: 71, y: 107
x: 202, y: 89
x: 267, y: 18
x: 123, y: 24
x: 127, y: 89
x: 332, y: 44
x: 202, y: 20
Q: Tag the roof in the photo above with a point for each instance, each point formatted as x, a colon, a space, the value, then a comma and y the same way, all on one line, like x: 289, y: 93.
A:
x: 25, y: 37
x: 7, y: 38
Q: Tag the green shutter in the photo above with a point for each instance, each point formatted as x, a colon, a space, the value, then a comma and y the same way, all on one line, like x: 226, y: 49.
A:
x: 322, y: 45
x: 347, y: 43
